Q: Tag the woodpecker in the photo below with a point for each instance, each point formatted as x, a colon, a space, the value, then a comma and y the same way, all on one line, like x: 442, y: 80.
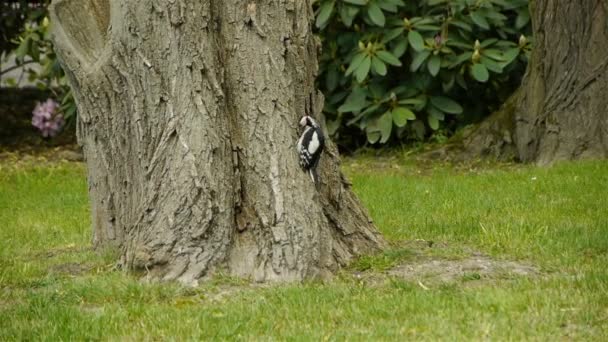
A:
x: 310, y: 146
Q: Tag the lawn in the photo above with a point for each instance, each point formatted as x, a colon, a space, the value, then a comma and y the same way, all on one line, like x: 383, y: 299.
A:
x: 554, y: 220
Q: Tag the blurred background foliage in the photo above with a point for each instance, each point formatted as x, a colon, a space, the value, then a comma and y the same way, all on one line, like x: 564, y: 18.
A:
x: 25, y: 46
x: 14, y: 15
x: 392, y: 71
x: 398, y: 71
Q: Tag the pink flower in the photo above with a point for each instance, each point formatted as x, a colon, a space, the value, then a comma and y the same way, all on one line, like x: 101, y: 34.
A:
x: 47, y: 118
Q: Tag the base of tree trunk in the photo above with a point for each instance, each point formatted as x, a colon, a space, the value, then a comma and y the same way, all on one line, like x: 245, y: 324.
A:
x: 491, y: 139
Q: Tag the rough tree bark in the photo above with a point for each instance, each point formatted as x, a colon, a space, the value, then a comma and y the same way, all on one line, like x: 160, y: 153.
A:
x: 188, y: 115
x: 561, y: 110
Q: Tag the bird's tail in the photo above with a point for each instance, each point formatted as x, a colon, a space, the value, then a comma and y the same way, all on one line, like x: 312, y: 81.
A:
x: 314, y: 176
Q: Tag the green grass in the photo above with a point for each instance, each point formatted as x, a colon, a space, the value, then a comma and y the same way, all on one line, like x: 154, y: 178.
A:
x: 54, y: 287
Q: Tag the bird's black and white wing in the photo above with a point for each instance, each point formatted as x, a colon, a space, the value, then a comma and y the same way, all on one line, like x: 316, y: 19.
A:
x: 309, y: 147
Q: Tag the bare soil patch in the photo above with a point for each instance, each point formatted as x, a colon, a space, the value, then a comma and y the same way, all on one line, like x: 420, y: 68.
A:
x: 71, y: 269
x: 27, y: 155
x: 472, y: 268
x: 427, y: 266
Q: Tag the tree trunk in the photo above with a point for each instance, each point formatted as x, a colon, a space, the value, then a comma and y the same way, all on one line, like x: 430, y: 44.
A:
x: 188, y: 115
x: 561, y: 110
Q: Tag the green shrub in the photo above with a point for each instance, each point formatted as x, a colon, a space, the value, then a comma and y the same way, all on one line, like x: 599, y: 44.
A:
x: 391, y: 70
x: 26, y: 33
x: 401, y: 70
x: 13, y: 15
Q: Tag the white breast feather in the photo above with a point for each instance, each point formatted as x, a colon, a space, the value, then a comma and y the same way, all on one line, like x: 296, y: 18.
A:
x: 314, y: 143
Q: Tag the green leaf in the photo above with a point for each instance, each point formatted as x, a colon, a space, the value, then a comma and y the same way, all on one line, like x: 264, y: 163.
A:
x: 355, y: 101
x: 400, y: 48
x: 446, y: 104
x: 436, y: 113
x: 376, y: 90
x: 348, y: 14
x: 503, y: 3
x: 416, y: 101
x: 480, y: 72
x: 23, y: 49
x: 325, y: 12
x: 372, y: 136
x: 480, y: 20
x: 385, y: 123
x: 35, y: 37
x: 375, y: 14
x: 465, y: 56
x: 378, y: 66
x: 523, y: 18
x: 434, y: 64
x: 387, y: 6
x: 494, y: 15
x: 356, y: 2
x: 392, y: 34
x: 337, y: 97
x: 433, y: 122
x: 458, y: 44
x: 401, y: 90
x: 416, y: 40
x: 510, y: 55
x: 494, y: 54
x: 355, y: 62
x: 427, y: 27
x: 388, y: 58
x: 401, y: 115
x: 488, y: 42
x: 69, y: 111
x: 491, y: 65
x: 461, y: 25
x: 421, y: 21
x: 363, y: 69
x: 369, y: 110
x: 419, y: 58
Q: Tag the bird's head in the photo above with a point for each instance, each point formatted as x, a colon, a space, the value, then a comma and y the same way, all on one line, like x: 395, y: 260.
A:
x: 308, y: 121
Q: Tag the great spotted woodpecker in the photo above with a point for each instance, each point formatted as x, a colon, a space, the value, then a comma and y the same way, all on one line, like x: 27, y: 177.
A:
x: 310, y: 146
